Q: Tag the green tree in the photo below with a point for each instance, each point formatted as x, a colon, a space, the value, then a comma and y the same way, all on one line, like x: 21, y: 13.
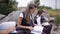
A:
x: 37, y: 2
x: 8, y: 6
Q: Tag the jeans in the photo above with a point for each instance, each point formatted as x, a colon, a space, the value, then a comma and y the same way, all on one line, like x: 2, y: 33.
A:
x: 6, y: 25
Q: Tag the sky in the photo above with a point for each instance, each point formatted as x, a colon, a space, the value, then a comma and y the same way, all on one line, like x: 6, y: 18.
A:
x: 50, y: 3
x: 23, y: 3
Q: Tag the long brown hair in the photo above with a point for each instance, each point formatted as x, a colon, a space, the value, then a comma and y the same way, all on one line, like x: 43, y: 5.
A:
x: 27, y: 13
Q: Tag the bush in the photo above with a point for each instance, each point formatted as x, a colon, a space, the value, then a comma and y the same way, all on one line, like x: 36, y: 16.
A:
x: 42, y: 7
x: 7, y: 7
x: 57, y: 21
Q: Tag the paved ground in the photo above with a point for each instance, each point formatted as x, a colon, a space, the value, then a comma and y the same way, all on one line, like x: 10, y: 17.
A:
x: 58, y: 32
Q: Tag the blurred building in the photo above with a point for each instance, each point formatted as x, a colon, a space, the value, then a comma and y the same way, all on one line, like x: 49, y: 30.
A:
x: 55, y: 4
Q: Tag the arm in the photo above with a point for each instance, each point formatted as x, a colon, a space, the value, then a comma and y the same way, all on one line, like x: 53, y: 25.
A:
x: 48, y: 17
x: 21, y: 26
x: 19, y: 23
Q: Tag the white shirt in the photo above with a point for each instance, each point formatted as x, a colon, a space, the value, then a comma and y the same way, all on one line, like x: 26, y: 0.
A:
x: 31, y: 17
x: 38, y: 28
x: 38, y: 20
x: 21, y: 15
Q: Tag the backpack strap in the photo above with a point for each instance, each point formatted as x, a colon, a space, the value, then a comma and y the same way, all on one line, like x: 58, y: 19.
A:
x: 23, y: 14
x: 35, y: 20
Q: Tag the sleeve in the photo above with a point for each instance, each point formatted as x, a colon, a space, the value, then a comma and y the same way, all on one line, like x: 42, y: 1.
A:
x: 38, y: 20
x: 46, y: 18
x: 21, y: 15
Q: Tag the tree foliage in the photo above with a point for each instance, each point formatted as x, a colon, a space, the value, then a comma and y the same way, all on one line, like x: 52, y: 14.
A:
x: 7, y: 6
x: 37, y: 2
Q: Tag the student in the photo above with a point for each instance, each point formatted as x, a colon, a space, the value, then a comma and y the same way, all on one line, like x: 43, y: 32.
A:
x: 25, y: 20
x: 40, y: 17
x: 42, y: 20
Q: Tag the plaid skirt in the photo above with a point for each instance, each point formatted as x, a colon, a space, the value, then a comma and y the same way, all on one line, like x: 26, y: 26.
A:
x: 47, y: 29
x: 23, y: 31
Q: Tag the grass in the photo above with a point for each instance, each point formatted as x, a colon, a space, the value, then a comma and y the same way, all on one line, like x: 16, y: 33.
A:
x: 56, y: 14
x: 53, y: 12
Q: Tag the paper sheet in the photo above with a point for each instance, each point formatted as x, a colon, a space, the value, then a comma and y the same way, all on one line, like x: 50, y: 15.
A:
x: 37, y: 29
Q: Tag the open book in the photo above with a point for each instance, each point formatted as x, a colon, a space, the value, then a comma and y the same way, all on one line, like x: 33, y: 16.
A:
x: 37, y: 29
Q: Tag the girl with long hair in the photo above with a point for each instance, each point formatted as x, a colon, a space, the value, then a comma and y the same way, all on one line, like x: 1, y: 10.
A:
x: 25, y: 20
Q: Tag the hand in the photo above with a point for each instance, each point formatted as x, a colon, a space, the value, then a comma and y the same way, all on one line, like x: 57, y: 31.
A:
x: 30, y: 28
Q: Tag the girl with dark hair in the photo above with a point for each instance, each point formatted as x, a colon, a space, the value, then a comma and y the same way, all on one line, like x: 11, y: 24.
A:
x: 43, y: 21
x: 39, y: 17
x: 38, y: 28
x: 25, y: 20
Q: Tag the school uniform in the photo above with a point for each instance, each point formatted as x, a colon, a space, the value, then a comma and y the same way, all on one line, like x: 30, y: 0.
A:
x: 37, y: 28
x: 24, y: 23
x: 44, y: 21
